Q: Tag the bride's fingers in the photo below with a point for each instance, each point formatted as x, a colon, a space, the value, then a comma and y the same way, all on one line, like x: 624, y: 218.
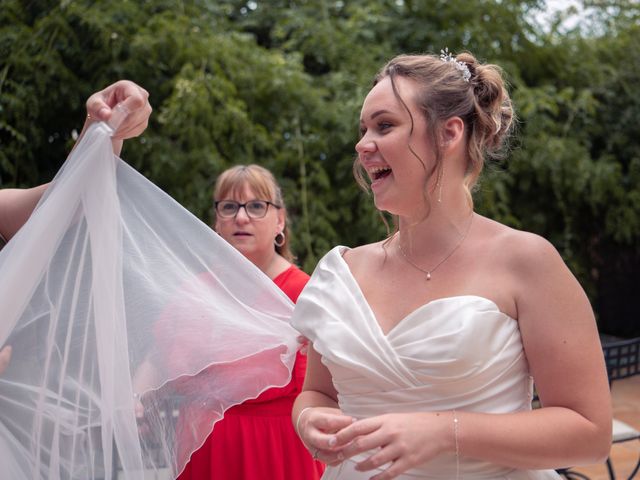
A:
x: 357, y: 429
x: 328, y: 457
x: 381, y: 457
x: 329, y: 422
x: 317, y: 431
x: 323, y: 438
x: 317, y: 427
x: 365, y: 443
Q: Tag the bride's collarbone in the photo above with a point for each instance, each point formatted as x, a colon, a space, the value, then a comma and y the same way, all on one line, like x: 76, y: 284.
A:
x: 393, y: 299
x: 394, y: 290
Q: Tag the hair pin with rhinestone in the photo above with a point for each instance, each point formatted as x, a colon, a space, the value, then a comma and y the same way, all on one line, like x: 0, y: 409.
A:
x: 447, y: 57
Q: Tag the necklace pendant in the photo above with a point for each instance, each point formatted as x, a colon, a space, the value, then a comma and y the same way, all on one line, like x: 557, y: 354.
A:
x: 428, y: 275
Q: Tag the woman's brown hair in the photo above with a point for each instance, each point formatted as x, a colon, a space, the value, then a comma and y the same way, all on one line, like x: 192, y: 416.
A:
x: 481, y: 101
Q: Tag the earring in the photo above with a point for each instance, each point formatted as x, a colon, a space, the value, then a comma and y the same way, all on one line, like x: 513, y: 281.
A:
x: 439, y: 183
x: 279, y: 240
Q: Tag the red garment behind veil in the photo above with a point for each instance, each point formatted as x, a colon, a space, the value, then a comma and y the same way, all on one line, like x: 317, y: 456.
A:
x: 256, y: 440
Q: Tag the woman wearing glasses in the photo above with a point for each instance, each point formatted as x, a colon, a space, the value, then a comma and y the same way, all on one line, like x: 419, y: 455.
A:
x: 257, y: 436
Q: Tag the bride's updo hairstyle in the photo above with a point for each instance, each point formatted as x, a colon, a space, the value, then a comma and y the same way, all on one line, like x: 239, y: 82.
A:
x: 455, y: 87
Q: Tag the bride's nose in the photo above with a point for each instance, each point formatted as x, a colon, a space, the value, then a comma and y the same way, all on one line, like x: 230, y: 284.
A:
x: 365, y: 145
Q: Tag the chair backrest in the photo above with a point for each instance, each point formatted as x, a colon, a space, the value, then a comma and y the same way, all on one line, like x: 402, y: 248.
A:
x: 622, y: 358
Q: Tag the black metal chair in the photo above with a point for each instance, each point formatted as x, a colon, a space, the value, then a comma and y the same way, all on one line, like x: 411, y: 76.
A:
x: 622, y: 359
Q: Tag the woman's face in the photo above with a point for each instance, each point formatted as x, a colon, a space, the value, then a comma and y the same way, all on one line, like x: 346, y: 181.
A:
x: 253, y: 237
x: 388, y: 147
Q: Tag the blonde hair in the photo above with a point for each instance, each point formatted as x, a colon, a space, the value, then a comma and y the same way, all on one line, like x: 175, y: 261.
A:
x: 482, y: 103
x: 262, y: 182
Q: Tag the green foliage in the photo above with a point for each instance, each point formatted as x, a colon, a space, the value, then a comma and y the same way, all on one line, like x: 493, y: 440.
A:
x: 280, y: 83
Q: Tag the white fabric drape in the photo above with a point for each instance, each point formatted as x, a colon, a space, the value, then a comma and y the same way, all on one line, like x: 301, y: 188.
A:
x: 111, y: 290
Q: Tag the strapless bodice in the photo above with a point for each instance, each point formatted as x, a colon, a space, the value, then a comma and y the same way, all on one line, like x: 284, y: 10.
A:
x: 457, y: 352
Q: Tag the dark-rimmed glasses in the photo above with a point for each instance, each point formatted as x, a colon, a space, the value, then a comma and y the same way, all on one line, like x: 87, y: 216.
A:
x: 254, y: 208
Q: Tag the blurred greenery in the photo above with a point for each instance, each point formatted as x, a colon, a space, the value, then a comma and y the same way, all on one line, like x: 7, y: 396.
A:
x: 280, y: 83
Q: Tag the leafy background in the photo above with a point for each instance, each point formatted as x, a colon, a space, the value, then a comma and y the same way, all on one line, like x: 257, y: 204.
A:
x: 280, y: 83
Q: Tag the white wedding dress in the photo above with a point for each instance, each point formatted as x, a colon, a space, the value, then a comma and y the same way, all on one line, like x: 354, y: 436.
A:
x: 457, y: 352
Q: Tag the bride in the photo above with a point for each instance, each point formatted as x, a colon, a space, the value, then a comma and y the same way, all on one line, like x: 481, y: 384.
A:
x: 426, y: 345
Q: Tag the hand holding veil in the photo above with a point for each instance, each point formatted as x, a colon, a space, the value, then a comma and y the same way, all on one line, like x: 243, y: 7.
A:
x: 112, y: 292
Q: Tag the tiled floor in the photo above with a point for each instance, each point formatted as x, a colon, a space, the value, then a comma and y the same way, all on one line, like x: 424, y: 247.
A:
x: 626, y: 407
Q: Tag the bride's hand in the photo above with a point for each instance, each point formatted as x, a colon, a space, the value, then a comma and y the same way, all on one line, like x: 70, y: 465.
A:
x: 134, y: 98
x: 317, y: 427
x: 402, y: 440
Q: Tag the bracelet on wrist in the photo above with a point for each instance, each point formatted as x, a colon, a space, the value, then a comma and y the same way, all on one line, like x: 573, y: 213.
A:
x: 297, y: 429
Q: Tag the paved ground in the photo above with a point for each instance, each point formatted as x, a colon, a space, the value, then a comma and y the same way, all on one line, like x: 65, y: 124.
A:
x: 626, y: 407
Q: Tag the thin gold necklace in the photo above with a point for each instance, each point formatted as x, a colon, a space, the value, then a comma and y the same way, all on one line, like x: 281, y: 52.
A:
x: 433, y: 269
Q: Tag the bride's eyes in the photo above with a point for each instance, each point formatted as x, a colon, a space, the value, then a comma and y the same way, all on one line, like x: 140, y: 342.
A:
x: 380, y: 127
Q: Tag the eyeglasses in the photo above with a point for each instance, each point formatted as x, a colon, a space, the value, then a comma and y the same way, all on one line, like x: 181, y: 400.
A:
x: 254, y: 208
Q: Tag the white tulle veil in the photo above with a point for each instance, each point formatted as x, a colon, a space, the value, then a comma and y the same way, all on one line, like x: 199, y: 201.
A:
x: 133, y: 327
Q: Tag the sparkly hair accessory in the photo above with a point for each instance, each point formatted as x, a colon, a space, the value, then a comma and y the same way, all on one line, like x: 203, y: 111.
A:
x: 445, y: 56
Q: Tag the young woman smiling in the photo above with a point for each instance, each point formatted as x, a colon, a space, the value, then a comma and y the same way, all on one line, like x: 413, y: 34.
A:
x: 425, y: 345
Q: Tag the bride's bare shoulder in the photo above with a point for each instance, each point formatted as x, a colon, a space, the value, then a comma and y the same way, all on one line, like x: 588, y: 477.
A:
x: 516, y: 248
x: 365, y: 256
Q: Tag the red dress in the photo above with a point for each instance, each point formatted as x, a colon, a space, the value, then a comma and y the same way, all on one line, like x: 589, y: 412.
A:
x: 256, y: 440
